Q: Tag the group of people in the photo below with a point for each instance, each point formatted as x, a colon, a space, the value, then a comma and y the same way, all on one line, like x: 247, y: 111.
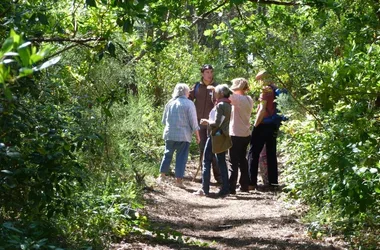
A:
x: 219, y: 116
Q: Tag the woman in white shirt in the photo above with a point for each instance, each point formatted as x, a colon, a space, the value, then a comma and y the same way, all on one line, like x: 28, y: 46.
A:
x: 240, y: 132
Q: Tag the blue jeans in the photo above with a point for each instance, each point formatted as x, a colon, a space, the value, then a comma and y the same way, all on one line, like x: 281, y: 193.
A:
x: 182, y: 148
x: 221, y: 161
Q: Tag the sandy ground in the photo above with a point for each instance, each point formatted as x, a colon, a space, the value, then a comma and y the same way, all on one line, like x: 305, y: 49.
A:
x: 255, y: 220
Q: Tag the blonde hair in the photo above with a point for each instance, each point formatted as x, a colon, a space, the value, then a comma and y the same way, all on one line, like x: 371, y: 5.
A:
x: 240, y: 84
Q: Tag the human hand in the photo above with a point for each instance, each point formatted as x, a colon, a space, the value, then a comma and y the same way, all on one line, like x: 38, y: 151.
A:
x: 211, y: 87
x: 203, y: 122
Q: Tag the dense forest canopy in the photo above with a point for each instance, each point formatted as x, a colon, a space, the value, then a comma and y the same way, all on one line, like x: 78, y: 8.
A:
x: 82, y: 89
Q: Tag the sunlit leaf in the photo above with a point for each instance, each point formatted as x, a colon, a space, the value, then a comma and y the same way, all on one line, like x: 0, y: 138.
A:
x: 8, y: 61
x: 373, y: 170
x: 11, y: 54
x: 36, y: 58
x: 25, y: 72
x: 24, y: 45
x: 16, y: 38
x: 24, y: 53
x: 49, y: 63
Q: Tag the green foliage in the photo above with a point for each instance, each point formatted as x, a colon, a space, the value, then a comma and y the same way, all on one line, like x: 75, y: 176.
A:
x: 82, y: 135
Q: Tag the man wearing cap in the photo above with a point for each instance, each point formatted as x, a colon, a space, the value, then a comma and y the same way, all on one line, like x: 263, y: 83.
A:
x: 204, y: 102
x: 264, y: 134
x: 240, y: 130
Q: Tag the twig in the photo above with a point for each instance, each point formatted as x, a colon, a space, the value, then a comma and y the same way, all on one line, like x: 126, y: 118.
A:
x: 65, y: 39
x: 166, y: 38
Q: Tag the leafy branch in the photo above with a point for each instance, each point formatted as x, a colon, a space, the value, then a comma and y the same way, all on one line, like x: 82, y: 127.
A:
x: 268, y: 65
x: 166, y: 37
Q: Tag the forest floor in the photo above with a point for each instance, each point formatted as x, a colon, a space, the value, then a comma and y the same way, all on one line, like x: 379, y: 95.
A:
x: 256, y: 220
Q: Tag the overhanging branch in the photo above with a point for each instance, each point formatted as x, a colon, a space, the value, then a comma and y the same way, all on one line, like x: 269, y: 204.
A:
x: 64, y: 39
x: 166, y: 38
x: 274, y: 2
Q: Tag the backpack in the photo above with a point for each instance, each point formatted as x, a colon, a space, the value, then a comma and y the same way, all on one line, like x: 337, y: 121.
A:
x: 276, y: 118
x: 196, y: 89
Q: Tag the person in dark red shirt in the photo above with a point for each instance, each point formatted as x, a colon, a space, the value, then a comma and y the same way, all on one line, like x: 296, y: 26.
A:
x: 204, y: 101
x: 264, y: 134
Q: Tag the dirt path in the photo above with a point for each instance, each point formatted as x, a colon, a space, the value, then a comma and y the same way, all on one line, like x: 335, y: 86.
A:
x: 255, y: 220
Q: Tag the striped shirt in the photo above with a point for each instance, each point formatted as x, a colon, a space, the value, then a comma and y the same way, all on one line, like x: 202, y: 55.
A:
x: 180, y: 119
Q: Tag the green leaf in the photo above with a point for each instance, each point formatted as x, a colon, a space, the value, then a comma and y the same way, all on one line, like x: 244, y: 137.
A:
x: 8, y: 93
x: 7, y: 45
x: 36, y: 58
x: 208, y: 32
x: 24, y: 53
x: 128, y: 26
x: 25, y: 72
x: 16, y: 38
x: 9, y: 226
x: 6, y: 171
x: 24, y: 45
x: 6, y: 61
x: 43, y: 19
x: 111, y: 48
x: 49, y: 63
x: 11, y: 54
x: 91, y: 3
x: 373, y: 170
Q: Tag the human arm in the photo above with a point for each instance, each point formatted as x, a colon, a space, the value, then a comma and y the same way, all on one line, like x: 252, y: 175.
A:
x: 165, y: 114
x: 197, y: 137
x: 260, y: 113
x: 192, y: 93
x: 194, y: 122
x: 211, y: 87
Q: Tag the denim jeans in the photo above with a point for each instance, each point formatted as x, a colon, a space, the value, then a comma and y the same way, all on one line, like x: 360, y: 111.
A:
x: 203, y: 134
x: 221, y: 160
x: 182, y: 148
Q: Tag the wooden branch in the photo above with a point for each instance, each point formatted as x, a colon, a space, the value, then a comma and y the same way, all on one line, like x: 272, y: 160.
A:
x: 65, y: 39
x: 274, y: 2
x: 166, y: 37
x: 62, y: 50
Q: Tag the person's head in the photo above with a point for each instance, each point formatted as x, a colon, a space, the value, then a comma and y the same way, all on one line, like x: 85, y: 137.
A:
x: 263, y: 77
x: 181, y: 89
x: 222, y: 91
x: 239, y: 85
x: 207, y: 72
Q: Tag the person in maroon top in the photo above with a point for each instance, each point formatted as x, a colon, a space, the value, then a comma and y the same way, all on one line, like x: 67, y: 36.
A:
x: 264, y: 134
x: 204, y: 102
